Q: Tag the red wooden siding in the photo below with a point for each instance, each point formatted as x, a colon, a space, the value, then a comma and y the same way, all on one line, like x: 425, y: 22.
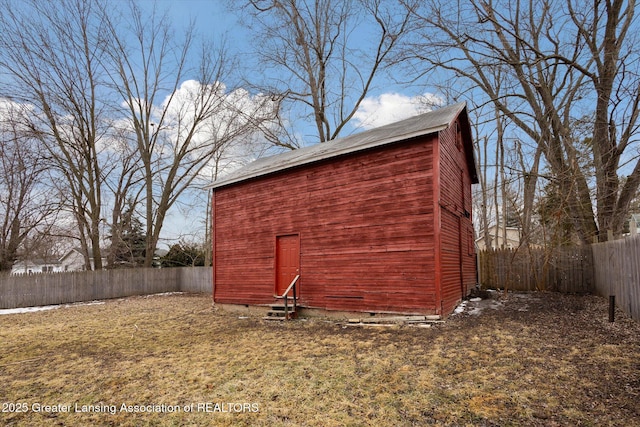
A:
x: 457, y: 249
x: 366, y: 227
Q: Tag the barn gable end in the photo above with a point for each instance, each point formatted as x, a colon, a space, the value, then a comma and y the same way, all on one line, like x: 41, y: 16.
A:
x: 366, y: 213
x: 457, y: 247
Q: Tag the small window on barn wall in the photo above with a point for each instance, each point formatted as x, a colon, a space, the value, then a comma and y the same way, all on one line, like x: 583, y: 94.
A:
x: 470, y: 242
x: 458, y: 136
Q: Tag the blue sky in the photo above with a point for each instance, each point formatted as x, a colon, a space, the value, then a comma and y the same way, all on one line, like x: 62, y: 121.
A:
x: 387, y: 102
x: 211, y: 17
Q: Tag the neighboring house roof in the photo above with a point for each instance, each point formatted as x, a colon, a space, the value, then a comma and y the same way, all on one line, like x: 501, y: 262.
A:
x: 69, y: 253
x: 76, y: 252
x: 497, y: 230
x: 424, y: 124
x: 495, y: 234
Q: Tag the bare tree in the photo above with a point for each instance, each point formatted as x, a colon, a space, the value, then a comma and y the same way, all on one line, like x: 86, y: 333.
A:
x: 27, y: 207
x: 555, y: 56
x: 508, y: 165
x: 124, y: 182
x: 180, y: 125
x: 53, y: 55
x: 483, y: 213
x: 609, y: 30
x: 326, y: 64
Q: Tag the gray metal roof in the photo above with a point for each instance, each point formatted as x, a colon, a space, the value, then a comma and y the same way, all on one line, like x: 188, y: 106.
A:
x: 423, y: 124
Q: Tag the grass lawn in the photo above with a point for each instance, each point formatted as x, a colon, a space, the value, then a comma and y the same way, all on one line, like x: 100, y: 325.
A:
x: 529, y: 359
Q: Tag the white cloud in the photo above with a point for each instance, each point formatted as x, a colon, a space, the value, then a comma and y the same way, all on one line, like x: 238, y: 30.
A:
x: 392, y: 107
x: 14, y: 116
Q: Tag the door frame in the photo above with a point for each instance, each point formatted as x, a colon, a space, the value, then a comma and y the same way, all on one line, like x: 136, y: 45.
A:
x: 275, y: 260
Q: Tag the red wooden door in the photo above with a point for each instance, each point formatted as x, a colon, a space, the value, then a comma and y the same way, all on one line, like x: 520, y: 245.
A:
x: 287, y: 261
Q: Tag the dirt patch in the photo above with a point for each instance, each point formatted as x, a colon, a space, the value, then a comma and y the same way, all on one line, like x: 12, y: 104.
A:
x: 527, y: 359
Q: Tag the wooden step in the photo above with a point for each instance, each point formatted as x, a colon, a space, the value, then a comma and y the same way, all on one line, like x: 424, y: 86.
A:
x: 277, y: 312
x: 280, y: 306
x: 279, y: 318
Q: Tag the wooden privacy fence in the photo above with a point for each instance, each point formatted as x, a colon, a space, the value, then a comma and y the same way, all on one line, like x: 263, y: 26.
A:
x: 610, y: 268
x: 562, y: 270
x: 617, y: 272
x: 60, y: 288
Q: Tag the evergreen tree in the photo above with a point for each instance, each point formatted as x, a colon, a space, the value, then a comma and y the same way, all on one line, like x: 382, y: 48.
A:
x: 184, y: 254
x: 127, y: 240
x: 554, y: 217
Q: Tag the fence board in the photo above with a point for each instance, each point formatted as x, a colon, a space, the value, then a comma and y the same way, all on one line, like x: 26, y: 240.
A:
x: 60, y: 288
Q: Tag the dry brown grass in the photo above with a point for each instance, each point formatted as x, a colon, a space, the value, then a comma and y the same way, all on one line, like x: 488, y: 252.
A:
x: 542, y: 359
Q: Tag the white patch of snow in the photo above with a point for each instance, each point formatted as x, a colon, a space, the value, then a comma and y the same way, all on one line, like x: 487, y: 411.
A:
x: 28, y: 309
x: 460, y: 309
x: 75, y: 304
x: 45, y: 307
x: 478, y: 305
x: 163, y: 294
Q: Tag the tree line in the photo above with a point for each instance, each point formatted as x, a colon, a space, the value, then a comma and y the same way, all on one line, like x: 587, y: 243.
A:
x: 561, y: 89
x: 109, y: 114
x: 117, y: 114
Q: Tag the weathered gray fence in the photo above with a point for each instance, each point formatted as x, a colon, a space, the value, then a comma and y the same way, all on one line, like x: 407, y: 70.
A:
x: 562, y: 270
x: 610, y: 268
x: 59, y: 288
x: 617, y: 272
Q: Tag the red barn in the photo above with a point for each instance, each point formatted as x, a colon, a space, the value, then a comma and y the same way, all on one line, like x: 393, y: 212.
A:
x: 376, y: 222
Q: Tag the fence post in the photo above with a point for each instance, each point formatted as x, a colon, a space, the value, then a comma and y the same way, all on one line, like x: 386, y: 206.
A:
x: 612, y: 308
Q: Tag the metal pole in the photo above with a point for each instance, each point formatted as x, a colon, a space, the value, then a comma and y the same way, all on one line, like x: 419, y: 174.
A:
x: 612, y: 308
